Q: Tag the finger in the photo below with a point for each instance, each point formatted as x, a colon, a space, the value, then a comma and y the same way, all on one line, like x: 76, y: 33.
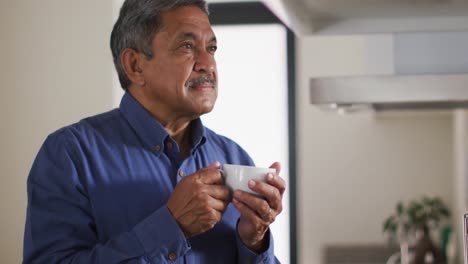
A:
x: 277, y: 182
x: 219, y: 192
x: 210, y: 175
x: 270, y: 192
x: 214, y: 165
x: 209, y: 219
x: 277, y: 166
x: 259, y: 205
x: 247, y: 212
x: 218, y: 205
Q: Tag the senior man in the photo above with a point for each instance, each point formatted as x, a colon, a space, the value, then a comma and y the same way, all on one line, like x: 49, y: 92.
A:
x: 141, y: 183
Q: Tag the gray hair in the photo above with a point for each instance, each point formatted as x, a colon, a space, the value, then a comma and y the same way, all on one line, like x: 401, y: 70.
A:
x: 138, y: 23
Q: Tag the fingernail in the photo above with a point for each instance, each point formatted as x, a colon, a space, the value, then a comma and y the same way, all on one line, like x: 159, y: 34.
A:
x: 269, y: 176
x: 251, y: 184
x: 237, y: 194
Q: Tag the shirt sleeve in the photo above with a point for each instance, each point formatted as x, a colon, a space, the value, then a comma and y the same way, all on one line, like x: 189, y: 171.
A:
x: 247, y: 256
x: 60, y: 227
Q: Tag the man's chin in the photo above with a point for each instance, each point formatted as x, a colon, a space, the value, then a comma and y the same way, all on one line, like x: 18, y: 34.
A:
x: 206, y: 107
x: 206, y: 110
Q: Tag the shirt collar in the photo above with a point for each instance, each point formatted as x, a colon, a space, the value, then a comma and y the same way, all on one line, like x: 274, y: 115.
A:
x: 198, y: 134
x: 150, y: 130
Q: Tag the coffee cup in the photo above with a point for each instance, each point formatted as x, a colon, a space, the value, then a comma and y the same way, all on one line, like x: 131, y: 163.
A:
x: 237, y: 177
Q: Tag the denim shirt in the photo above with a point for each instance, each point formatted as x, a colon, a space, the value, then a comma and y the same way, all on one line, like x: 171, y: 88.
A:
x: 98, y: 189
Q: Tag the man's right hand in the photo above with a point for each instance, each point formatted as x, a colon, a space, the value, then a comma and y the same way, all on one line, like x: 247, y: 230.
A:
x: 199, y: 201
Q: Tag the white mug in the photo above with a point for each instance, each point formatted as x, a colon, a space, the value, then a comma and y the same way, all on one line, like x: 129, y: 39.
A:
x: 237, y: 177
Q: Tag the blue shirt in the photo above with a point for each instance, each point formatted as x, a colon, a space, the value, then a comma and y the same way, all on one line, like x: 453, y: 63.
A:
x: 98, y: 189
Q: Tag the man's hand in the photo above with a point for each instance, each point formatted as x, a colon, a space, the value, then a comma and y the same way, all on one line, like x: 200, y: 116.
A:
x: 258, y: 213
x: 199, y: 201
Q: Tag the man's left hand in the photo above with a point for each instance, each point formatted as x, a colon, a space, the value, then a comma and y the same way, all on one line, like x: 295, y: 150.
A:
x: 257, y: 213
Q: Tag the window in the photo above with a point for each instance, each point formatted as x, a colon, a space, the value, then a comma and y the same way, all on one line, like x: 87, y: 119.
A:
x: 252, y: 105
x: 256, y: 102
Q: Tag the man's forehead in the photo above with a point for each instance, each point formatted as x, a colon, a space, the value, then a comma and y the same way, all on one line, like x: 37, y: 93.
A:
x: 190, y: 31
x: 195, y: 35
x: 185, y: 17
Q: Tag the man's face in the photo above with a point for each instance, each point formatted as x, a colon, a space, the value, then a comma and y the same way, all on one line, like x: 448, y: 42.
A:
x: 181, y: 77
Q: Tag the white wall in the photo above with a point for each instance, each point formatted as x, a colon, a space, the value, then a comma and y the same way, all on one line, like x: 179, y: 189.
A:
x: 354, y: 168
x: 56, y: 68
x: 11, y: 205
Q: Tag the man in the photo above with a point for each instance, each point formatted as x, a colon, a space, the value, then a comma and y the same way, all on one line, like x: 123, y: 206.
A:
x: 141, y: 184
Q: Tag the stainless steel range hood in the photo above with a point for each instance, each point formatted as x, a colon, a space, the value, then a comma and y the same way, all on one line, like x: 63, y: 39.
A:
x: 400, y: 92
x: 429, y: 70
x: 306, y: 17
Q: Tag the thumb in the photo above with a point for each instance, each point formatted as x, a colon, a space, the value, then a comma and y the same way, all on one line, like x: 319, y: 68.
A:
x: 211, y: 174
x: 214, y: 165
x: 277, y: 166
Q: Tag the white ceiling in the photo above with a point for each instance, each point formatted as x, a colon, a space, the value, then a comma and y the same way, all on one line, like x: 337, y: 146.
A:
x: 371, y: 16
x: 345, y: 9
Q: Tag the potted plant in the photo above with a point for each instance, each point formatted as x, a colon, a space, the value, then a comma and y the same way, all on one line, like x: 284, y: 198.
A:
x: 410, y: 226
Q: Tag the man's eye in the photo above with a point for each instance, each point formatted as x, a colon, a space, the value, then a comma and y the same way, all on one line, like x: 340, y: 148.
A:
x: 187, y: 46
x: 213, y: 49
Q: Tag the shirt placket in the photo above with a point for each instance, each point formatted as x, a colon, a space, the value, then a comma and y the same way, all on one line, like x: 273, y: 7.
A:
x: 180, y: 168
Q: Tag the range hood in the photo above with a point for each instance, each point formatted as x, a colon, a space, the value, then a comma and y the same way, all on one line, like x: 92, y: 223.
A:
x: 311, y: 17
x: 427, y: 71
x: 425, y: 59
x: 402, y: 92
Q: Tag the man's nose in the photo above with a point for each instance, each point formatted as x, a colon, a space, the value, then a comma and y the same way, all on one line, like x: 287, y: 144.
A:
x: 205, y: 62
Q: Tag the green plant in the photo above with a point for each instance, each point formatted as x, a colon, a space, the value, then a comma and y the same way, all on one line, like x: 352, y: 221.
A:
x: 423, y: 215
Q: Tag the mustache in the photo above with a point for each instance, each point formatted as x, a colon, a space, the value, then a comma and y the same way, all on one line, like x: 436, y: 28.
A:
x: 198, y: 81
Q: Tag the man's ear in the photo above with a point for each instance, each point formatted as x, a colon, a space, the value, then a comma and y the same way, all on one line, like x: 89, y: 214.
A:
x: 131, y: 61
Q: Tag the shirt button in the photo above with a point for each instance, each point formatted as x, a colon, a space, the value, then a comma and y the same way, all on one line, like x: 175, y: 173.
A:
x: 172, y: 256
x: 169, y: 145
x: 157, y: 148
x: 181, y: 173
